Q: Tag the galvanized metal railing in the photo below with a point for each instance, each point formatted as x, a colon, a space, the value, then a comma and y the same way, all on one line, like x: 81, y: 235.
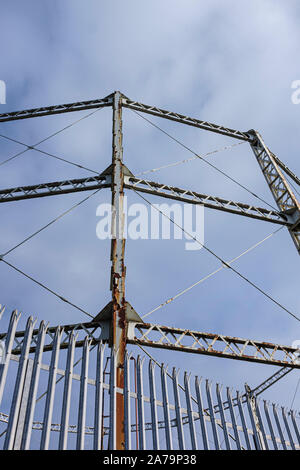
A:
x: 46, y: 403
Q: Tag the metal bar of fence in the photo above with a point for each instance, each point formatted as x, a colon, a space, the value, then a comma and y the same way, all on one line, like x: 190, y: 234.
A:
x: 178, y: 409
x: 83, y: 394
x: 45, y: 439
x: 261, y: 425
x: 98, y: 419
x: 243, y: 421
x: 282, y: 439
x: 223, y: 420
x: 112, y: 401
x: 295, y: 426
x: 288, y: 429
x: 25, y: 444
x: 18, y: 390
x: 201, y: 414
x: 23, y: 406
x: 212, y: 416
x: 63, y: 437
x: 267, y: 414
x: 153, y: 403
x: 233, y: 420
x: 190, y: 411
x: 140, y: 402
x: 127, y: 407
x: 9, y: 341
x: 164, y: 387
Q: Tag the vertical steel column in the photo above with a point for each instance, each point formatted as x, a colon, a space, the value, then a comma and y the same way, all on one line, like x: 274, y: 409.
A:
x: 118, y: 327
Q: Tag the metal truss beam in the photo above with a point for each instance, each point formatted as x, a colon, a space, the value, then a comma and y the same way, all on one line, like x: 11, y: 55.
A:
x: 286, y: 169
x: 96, y: 182
x: 53, y: 188
x: 211, y: 202
x: 177, y: 339
x: 56, y: 109
x: 279, y: 186
x: 163, y: 113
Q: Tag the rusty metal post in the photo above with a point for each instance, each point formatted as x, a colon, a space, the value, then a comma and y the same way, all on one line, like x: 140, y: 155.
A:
x: 118, y: 327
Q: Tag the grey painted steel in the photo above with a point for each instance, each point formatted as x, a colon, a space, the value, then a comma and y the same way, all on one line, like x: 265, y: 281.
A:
x: 112, y: 401
x: 45, y: 439
x: 223, y: 420
x: 65, y: 415
x: 153, y: 403
x: 258, y: 442
x: 100, y: 426
x: 56, y: 109
x: 19, y: 386
x: 163, y: 113
x: 211, y: 202
x: 243, y: 420
x: 267, y: 414
x: 53, y: 188
x: 233, y: 420
x: 33, y: 387
x: 288, y: 428
x: 261, y: 426
x: 278, y: 184
x: 282, y: 439
x: 23, y: 405
x: 190, y: 411
x: 212, y: 416
x: 169, y: 443
x: 296, y: 429
x: 98, y: 419
x: 178, y: 409
x: 9, y: 341
x: 83, y: 395
x: 201, y: 414
x: 127, y: 404
x: 140, y: 403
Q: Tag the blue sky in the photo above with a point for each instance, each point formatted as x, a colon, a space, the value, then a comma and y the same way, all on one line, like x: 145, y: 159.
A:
x: 231, y: 63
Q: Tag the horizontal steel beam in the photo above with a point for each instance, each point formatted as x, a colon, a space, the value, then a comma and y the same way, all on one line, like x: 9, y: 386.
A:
x: 53, y: 188
x: 211, y: 202
x: 56, y: 109
x: 163, y: 113
x: 176, y: 339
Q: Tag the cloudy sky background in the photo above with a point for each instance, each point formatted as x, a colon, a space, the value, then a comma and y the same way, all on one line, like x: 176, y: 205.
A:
x: 228, y: 62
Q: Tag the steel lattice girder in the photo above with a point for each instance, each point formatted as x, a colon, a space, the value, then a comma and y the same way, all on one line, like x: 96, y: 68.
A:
x: 229, y: 347
x: 212, y: 202
x: 56, y: 109
x: 280, y: 188
x: 150, y: 187
x: 163, y: 113
x: 165, y: 337
x: 53, y: 188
